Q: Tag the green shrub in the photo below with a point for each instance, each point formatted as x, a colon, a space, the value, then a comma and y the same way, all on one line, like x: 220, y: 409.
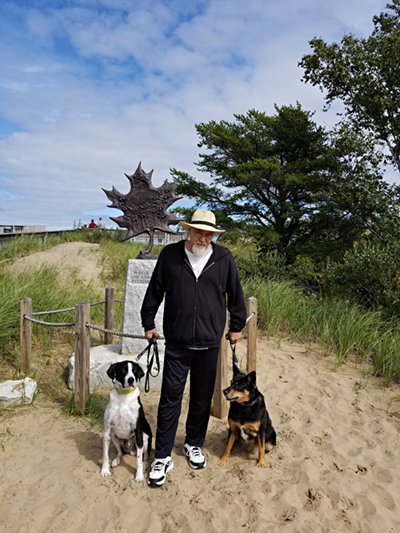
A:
x: 367, y: 276
x: 251, y: 263
x: 305, y: 273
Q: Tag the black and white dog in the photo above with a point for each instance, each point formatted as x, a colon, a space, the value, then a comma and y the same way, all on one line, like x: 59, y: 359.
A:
x: 124, y: 420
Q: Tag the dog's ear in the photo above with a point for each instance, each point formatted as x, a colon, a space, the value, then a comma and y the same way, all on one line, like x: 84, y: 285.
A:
x: 111, y: 371
x: 251, y: 378
x: 139, y: 371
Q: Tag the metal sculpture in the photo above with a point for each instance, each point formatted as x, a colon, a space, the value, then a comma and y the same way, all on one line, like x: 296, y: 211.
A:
x: 144, y: 207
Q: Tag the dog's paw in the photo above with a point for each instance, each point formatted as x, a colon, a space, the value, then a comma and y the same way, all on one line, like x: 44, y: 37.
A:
x: 115, y: 462
x: 222, y: 461
x: 261, y: 464
x: 139, y: 477
x: 105, y: 471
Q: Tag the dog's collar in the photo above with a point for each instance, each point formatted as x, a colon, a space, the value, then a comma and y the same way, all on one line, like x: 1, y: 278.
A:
x: 126, y: 391
x: 249, y: 404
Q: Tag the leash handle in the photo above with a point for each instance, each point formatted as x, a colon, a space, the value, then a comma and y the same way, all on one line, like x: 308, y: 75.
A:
x: 150, y: 360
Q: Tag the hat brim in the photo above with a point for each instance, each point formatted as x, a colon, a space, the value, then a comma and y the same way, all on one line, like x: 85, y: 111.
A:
x: 204, y: 227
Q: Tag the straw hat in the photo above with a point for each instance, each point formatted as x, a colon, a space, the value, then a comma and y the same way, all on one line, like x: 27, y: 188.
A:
x: 204, y: 220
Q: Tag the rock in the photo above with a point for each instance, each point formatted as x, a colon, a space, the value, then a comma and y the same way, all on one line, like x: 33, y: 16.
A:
x: 18, y: 392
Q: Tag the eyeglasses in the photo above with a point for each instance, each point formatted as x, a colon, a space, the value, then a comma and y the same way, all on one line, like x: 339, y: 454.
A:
x: 199, y: 234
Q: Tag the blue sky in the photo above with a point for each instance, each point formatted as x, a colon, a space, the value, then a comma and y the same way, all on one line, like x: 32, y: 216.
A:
x: 89, y: 88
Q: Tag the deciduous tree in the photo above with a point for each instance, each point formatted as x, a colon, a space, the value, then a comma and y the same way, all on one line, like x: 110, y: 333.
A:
x: 365, y: 75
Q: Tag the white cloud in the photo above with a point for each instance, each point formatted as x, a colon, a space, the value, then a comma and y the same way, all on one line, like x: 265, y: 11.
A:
x: 100, y: 85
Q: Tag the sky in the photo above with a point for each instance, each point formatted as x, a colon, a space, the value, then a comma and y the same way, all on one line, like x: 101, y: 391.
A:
x: 90, y: 88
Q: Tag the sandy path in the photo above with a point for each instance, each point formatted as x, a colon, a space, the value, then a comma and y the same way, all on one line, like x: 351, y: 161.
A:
x: 336, y: 466
x: 79, y: 257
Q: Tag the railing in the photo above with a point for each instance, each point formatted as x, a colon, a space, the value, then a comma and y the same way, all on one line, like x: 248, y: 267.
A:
x: 160, y: 237
x: 82, y: 345
x: 82, y: 338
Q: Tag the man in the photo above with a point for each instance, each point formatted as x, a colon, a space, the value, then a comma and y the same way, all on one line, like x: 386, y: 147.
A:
x: 92, y: 224
x: 101, y: 224
x: 199, y: 281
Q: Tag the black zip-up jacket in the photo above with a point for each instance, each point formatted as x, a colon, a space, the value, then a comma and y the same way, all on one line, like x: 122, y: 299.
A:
x: 195, y: 309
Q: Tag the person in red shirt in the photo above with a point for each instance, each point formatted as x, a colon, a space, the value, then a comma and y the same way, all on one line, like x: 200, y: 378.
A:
x: 93, y: 224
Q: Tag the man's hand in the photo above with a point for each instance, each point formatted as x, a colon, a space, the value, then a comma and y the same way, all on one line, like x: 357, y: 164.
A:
x: 234, y: 336
x: 149, y: 334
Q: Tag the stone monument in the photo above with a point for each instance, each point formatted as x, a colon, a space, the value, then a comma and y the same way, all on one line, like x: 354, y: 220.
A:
x: 138, y: 274
x: 144, y: 209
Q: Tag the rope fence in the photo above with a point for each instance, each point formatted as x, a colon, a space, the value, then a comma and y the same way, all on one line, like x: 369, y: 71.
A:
x: 53, y: 312
x: 56, y: 324
x: 82, y: 344
x: 118, y: 333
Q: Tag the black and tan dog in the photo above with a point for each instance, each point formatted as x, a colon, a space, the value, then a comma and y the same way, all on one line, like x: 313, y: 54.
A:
x: 248, y: 418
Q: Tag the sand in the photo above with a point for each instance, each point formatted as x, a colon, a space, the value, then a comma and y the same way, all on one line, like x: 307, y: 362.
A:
x: 77, y: 257
x: 335, y: 468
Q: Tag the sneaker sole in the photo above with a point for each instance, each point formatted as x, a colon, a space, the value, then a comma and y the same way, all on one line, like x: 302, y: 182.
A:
x: 197, y: 467
x: 193, y: 465
x: 160, y: 482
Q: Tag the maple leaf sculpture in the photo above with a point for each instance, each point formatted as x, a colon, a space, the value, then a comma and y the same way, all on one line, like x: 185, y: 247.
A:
x: 144, y: 207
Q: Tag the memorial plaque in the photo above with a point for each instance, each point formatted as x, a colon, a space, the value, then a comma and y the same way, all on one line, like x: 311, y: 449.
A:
x: 138, y: 274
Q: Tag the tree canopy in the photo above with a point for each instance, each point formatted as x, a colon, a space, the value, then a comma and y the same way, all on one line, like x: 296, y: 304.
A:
x: 295, y: 186
x: 365, y: 75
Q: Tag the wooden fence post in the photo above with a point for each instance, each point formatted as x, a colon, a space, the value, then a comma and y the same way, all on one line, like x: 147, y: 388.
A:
x: 109, y: 315
x: 82, y: 355
x: 252, y: 335
x: 220, y: 404
x: 25, y: 334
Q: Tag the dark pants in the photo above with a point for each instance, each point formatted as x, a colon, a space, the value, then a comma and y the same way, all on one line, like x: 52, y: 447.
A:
x: 203, y: 368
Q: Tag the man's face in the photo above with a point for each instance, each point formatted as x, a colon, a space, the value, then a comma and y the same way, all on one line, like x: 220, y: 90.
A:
x: 199, y: 241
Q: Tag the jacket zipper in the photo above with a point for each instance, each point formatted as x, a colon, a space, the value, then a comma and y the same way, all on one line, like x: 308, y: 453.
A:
x: 195, y: 294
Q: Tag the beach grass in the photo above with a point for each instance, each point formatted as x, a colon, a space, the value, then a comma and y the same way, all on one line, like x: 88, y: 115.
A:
x: 346, y: 330
x: 114, y: 257
x: 93, y: 413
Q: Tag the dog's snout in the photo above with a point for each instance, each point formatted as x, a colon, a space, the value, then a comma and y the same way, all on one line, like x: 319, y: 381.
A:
x: 131, y: 380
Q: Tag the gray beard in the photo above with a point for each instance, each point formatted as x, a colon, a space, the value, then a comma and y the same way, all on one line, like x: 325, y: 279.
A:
x: 199, y: 251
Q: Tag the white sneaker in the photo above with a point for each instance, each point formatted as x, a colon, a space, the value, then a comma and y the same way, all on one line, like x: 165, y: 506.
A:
x: 195, y: 457
x: 158, y: 472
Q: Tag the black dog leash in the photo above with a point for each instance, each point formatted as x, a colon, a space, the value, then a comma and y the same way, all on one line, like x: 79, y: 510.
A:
x: 235, y: 361
x: 150, y: 361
